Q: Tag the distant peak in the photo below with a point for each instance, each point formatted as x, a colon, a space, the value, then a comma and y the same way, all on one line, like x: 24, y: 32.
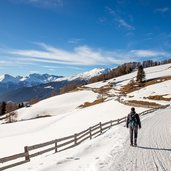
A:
x: 87, y: 75
x: 7, y: 78
x: 34, y: 78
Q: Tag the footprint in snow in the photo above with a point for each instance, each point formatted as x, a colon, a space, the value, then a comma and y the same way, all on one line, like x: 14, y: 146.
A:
x: 60, y: 162
x: 70, y: 158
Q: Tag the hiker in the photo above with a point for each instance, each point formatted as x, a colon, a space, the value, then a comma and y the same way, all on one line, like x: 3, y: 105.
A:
x: 133, y: 122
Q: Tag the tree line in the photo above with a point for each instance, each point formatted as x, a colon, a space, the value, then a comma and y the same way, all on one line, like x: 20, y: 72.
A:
x: 126, y: 69
x: 8, y: 107
x: 118, y: 71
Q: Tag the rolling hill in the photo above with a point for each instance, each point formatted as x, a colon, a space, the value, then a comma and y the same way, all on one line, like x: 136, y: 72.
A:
x: 67, y: 117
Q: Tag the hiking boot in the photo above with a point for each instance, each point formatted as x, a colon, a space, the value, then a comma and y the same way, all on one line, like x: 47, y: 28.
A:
x: 135, y: 142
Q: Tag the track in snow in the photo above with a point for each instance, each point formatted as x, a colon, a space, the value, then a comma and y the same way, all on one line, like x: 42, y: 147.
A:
x: 153, y: 152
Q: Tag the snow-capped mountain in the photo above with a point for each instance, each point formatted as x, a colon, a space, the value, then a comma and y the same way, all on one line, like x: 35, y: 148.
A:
x: 12, y: 88
x: 86, y: 75
x: 22, y: 88
x: 8, y: 78
x: 32, y: 79
x: 35, y: 79
x: 90, y: 74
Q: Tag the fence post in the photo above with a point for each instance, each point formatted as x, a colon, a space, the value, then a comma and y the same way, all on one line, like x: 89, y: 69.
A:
x: 118, y: 121
x: 27, y: 157
x: 90, y: 133
x: 111, y: 123
x: 100, y: 127
x: 75, y: 139
x: 56, y: 146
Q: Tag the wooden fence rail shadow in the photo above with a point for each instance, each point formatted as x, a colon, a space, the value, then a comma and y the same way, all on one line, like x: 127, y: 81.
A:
x: 64, y: 143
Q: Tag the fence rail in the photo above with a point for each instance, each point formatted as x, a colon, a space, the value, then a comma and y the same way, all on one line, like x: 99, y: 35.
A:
x: 65, y: 143
x: 6, y: 116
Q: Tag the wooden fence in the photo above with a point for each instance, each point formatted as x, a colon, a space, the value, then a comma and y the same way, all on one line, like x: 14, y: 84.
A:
x: 65, y: 143
x: 3, y: 117
x: 7, y: 116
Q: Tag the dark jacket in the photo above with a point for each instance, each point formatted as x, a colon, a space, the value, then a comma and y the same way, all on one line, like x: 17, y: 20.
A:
x: 137, y: 119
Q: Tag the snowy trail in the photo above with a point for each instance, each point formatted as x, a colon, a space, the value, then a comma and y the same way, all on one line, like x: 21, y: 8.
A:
x: 154, y: 147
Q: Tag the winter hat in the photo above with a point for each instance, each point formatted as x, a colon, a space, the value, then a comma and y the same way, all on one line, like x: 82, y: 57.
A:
x: 133, y: 109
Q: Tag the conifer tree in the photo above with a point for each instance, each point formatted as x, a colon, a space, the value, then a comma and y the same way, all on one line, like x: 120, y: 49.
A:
x: 140, y: 74
x: 3, y: 108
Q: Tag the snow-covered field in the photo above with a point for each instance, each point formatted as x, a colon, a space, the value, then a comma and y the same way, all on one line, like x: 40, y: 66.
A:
x: 67, y: 119
x: 151, y: 72
x: 89, y: 156
x: 30, y: 132
x: 111, y: 151
x: 163, y: 89
x: 57, y: 105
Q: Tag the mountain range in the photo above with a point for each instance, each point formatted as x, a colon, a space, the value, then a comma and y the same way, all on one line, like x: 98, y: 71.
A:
x: 31, y: 80
x: 40, y: 86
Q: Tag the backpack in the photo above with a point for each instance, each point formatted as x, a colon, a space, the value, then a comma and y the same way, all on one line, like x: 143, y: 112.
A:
x: 133, y: 122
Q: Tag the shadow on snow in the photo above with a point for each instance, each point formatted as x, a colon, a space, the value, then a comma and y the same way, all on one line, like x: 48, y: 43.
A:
x: 152, y: 148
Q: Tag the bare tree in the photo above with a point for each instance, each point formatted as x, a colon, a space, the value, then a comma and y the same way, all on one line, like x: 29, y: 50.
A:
x: 11, y: 117
x: 34, y: 100
x: 11, y: 107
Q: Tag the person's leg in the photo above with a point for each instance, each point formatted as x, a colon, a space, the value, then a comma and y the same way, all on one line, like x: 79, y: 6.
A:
x: 135, y: 135
x: 131, y: 136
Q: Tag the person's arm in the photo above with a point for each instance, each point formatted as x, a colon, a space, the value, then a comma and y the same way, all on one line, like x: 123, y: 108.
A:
x: 127, y: 121
x: 139, y: 121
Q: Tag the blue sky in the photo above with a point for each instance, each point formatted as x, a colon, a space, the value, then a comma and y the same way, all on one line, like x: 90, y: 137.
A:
x: 66, y: 37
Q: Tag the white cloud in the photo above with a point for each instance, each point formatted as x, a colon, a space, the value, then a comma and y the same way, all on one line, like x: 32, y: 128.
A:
x: 80, y: 56
x: 162, y: 10
x: 119, y: 20
x: 123, y: 23
x: 4, y: 63
x: 102, y: 20
x: 149, y: 53
x: 41, y: 3
x: 74, y: 41
x: 62, y: 67
x: 35, y: 71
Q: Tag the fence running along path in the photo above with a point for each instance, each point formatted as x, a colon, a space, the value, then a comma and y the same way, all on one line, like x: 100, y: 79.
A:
x: 64, y: 143
x: 7, y: 115
x: 4, y: 117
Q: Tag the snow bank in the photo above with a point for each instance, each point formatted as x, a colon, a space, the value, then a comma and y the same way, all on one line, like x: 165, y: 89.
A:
x: 151, y: 72
x: 31, y: 132
x: 162, y: 88
x: 57, y: 105
x: 89, y: 156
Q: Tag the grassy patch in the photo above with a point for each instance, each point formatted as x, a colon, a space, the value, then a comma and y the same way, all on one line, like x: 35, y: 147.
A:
x: 144, y: 103
x: 158, y: 97
x: 87, y: 104
x: 102, y: 90
x: 130, y: 88
x: 133, y: 86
